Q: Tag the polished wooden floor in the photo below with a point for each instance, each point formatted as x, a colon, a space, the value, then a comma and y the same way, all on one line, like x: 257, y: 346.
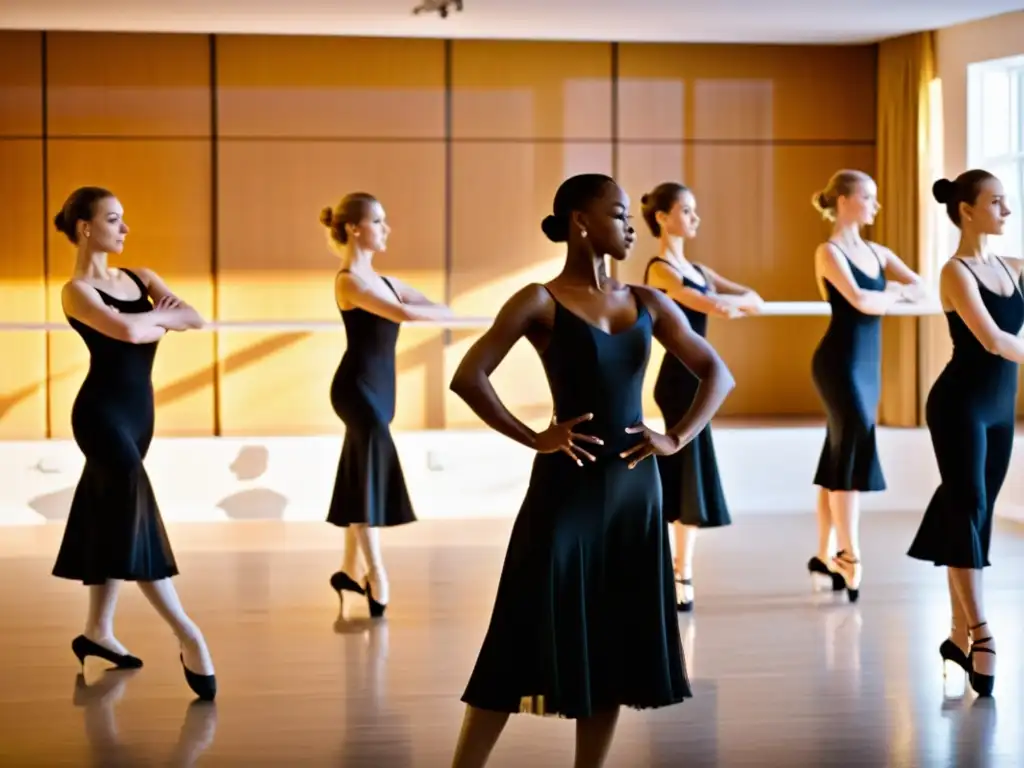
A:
x: 781, y: 677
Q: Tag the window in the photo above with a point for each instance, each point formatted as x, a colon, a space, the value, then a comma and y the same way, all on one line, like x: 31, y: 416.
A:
x: 995, y: 137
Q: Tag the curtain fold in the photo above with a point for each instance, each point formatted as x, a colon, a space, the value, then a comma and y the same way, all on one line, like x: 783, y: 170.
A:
x: 906, y: 68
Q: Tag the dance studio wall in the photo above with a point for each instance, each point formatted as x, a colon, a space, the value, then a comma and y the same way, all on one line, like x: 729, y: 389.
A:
x: 224, y: 148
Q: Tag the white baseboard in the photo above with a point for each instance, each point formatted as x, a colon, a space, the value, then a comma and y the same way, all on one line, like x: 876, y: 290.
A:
x: 450, y: 474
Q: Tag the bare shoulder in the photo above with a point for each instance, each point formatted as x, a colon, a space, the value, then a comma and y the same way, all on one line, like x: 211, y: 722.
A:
x: 655, y: 301
x: 1015, y: 264
x: 531, y: 298
x: 883, y: 252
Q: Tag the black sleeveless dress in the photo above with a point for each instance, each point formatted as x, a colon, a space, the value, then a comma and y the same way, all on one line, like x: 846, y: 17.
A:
x: 585, y: 615
x: 114, y: 529
x: 971, y: 412
x: 847, y: 372
x: 370, y: 487
x: 690, y: 485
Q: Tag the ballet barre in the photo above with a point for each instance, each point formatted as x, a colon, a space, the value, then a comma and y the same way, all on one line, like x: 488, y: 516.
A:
x: 769, y: 309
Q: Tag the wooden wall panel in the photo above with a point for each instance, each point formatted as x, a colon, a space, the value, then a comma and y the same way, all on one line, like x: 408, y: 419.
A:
x: 758, y: 92
x: 531, y: 90
x: 22, y: 291
x: 754, y: 131
x: 109, y: 84
x: 338, y: 87
x: 498, y: 247
x: 276, y: 264
x: 21, y: 83
x: 22, y: 285
x: 164, y: 186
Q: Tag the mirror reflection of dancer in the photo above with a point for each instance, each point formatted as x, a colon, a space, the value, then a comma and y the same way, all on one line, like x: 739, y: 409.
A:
x: 691, y: 487
x: 114, y: 531
x: 971, y: 412
x: 847, y: 368
x: 589, y: 537
x: 369, y: 491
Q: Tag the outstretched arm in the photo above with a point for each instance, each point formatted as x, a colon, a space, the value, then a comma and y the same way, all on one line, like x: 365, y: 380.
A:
x: 662, y: 276
x: 412, y: 296
x: 737, y: 295
x: 352, y: 289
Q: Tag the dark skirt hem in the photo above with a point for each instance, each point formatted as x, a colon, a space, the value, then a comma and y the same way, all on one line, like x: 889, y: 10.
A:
x: 867, y: 487
x: 535, y: 705
x: 371, y: 524
x: 946, y: 562
x: 92, y: 580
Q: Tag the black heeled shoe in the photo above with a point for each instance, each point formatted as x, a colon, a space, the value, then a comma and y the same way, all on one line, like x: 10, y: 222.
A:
x: 983, y: 685
x: 82, y: 646
x: 682, y: 604
x: 843, y: 558
x: 341, y: 581
x: 822, y: 577
x: 952, y: 654
x: 376, y: 609
x: 203, y: 686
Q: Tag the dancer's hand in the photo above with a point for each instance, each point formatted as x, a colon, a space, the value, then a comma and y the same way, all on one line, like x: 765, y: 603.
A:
x: 653, y: 444
x: 168, y: 302
x: 559, y: 437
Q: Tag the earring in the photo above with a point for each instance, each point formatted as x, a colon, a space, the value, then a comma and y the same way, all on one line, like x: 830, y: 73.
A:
x: 583, y: 233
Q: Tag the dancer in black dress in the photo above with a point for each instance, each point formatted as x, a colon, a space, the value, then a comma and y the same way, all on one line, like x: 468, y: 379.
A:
x: 847, y: 368
x: 589, y: 537
x: 114, y: 532
x: 369, y: 491
x: 691, y: 488
x: 971, y: 411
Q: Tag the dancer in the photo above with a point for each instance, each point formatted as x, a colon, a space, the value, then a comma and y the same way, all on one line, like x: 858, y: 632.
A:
x: 847, y: 367
x: 589, y: 537
x: 691, y: 489
x: 971, y: 411
x: 369, y: 491
x: 114, y: 532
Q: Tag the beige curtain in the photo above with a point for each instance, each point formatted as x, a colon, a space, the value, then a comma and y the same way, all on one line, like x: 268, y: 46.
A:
x: 906, y: 67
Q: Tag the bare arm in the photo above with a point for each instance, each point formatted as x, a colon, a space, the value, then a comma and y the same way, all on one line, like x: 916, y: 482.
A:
x: 678, y: 338
x: 169, y: 310
x: 960, y: 291
x: 831, y: 266
x: 471, y: 381
x: 663, y: 277
x: 351, y: 289
x: 82, y: 302
x: 737, y: 295
x: 410, y: 295
x: 898, y: 271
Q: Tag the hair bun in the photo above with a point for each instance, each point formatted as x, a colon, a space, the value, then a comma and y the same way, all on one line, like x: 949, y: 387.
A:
x: 644, y: 198
x: 556, y: 229
x: 942, y: 191
x: 59, y: 222
x: 327, y: 217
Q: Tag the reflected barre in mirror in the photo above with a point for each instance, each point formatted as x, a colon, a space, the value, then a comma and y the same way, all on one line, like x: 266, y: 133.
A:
x: 770, y: 308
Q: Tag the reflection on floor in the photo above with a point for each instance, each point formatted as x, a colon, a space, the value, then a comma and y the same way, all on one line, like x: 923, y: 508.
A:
x: 781, y: 677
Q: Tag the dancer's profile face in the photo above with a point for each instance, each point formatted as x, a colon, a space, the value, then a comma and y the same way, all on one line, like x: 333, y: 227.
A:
x: 106, y: 231
x: 861, y: 205
x: 608, y: 223
x: 988, y: 214
x: 681, y: 220
x: 371, y: 234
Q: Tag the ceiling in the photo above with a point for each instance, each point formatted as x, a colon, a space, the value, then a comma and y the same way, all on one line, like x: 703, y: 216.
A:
x: 746, y: 21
